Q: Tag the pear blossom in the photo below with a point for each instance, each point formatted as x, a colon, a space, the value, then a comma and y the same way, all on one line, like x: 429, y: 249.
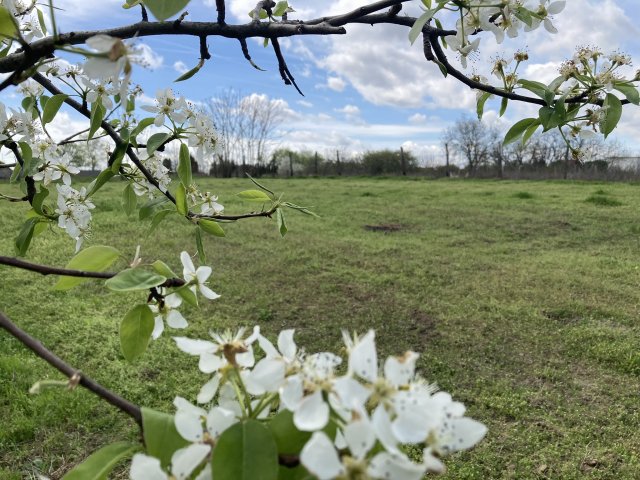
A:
x: 167, y: 105
x: 197, y: 278
x: 183, y: 462
x: 74, y: 212
x: 210, y: 205
x: 111, y: 58
x: 167, y: 312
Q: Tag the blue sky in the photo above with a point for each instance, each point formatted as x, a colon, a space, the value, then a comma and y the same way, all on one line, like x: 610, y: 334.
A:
x: 368, y: 89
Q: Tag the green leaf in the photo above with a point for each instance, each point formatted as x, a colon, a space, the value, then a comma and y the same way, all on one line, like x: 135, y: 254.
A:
x: 133, y: 279
x: 516, y: 131
x: 181, y: 200
x: 52, y: 107
x: 280, y: 9
x: 142, y: 124
x: 135, y: 331
x: 117, y: 156
x: 245, y: 451
x: 304, y: 210
x: 548, y: 118
x: 419, y: 24
x: 100, y: 463
x: 163, y: 9
x: 629, y: 91
x: 96, y: 258
x: 102, y: 178
x: 480, y: 105
x: 187, y: 295
x: 8, y: 25
x: 97, y: 115
x: 503, y: 105
x: 539, y: 89
x: 15, y: 174
x: 155, y: 141
x: 163, y: 269
x: 43, y: 25
x: 523, y: 14
x: 282, y: 226
x: 190, y: 73
x: 254, y: 196
x: 158, y: 218
x: 289, y: 439
x: 202, y: 255
x: 211, y: 227
x: 129, y: 200
x: 530, y: 131
x: 39, y: 199
x: 612, y: 114
x: 151, y: 207
x: 160, y: 435
x: 184, y: 166
x: 23, y: 240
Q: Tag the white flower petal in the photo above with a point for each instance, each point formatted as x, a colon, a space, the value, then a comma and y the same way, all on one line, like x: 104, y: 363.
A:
x: 210, y: 363
x: 312, y: 413
x: 188, y: 269
x: 203, y: 273
x: 320, y: 457
x: 176, y: 320
x: 158, y: 327
x: 189, y: 426
x: 219, y: 419
x: 410, y: 427
x: 186, y: 460
x: 173, y: 301
x: 460, y: 434
x: 195, y: 347
x: 286, y: 345
x: 396, y: 466
x: 363, y: 359
x: 207, y: 292
x: 144, y: 467
x: 360, y: 437
x: 291, y: 392
x: 400, y: 370
x: 208, y: 390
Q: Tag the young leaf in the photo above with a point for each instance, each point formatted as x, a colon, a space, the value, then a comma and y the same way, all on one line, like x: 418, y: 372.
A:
x: 155, y: 141
x: 163, y: 9
x: 282, y: 226
x: 245, y: 451
x: 39, y: 199
x: 151, y: 207
x: 190, y: 73
x: 100, y: 463
x: 202, y: 256
x: 419, y: 24
x: 187, y: 295
x: 158, y: 218
x: 23, y: 240
x: 117, y: 156
x: 96, y: 258
x: 133, y: 279
x: 254, y: 196
x: 129, y: 200
x: 163, y: 269
x: 288, y: 438
x: 135, y: 331
x: 211, y: 227
x: 8, y: 25
x: 516, y: 131
x: 184, y: 166
x: 181, y: 200
x: 142, y: 124
x: 97, y: 115
x: 480, y: 105
x: 52, y: 107
x: 612, y: 113
x: 503, y: 105
x: 102, y: 178
x: 160, y: 435
x: 629, y: 91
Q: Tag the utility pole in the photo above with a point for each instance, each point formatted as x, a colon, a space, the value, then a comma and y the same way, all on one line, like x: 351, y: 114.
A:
x: 290, y: 163
x: 446, y: 150
x: 402, y: 164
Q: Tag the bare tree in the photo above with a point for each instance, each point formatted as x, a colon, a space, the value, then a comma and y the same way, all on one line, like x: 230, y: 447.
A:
x: 473, y: 140
x: 246, y: 125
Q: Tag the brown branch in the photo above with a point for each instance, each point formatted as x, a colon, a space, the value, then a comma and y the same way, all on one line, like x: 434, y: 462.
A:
x: 13, y: 199
x: 221, y: 11
x: 204, y: 49
x: 143, y: 11
x: 31, y: 185
x: 233, y: 218
x: 47, y: 270
x: 8, y: 165
x: 41, y: 351
x: 247, y: 56
x: 282, y: 66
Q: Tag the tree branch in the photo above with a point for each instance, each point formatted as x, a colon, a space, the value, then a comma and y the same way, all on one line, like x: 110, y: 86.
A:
x: 282, y: 66
x: 221, y: 11
x: 41, y: 351
x: 47, y: 270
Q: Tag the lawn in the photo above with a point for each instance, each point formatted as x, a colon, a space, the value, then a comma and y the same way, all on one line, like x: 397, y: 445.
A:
x: 522, y: 297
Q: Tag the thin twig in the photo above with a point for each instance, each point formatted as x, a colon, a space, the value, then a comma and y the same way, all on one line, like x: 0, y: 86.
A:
x: 52, y: 359
x: 282, y: 66
x: 47, y: 270
x: 221, y: 11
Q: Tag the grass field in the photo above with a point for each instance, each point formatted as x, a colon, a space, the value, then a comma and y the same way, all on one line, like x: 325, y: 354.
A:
x: 522, y: 297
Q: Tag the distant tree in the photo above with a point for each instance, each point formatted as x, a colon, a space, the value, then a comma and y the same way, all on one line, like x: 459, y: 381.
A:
x: 472, y: 140
x: 381, y: 162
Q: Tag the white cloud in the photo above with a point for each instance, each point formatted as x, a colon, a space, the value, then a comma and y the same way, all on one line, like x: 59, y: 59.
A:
x: 417, y: 118
x: 305, y: 104
x: 148, y: 58
x: 180, y: 67
x: 349, y: 110
x: 336, y: 84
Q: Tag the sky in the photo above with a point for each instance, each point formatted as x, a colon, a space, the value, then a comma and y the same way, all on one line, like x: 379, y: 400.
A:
x: 368, y: 89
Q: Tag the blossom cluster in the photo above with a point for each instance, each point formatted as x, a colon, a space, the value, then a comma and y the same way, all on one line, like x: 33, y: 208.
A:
x: 377, y: 409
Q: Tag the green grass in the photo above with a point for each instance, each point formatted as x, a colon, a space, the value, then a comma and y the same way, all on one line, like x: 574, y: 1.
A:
x: 526, y: 311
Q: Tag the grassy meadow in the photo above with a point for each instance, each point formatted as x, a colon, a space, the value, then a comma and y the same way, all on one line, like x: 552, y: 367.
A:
x: 522, y: 297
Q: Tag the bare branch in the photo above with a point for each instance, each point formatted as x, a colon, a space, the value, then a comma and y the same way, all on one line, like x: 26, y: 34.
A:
x: 282, y: 66
x: 52, y: 359
x: 221, y: 11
